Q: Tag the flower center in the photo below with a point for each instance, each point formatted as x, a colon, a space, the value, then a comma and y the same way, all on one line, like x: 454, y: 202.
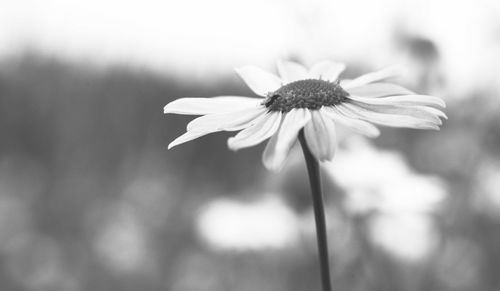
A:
x: 311, y: 94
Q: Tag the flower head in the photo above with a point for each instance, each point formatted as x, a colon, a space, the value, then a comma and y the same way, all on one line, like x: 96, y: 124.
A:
x: 314, y: 100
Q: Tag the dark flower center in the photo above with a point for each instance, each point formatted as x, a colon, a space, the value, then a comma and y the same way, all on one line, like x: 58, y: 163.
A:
x: 311, y: 94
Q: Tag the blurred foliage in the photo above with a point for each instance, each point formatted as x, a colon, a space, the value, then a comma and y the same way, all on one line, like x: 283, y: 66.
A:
x: 90, y: 198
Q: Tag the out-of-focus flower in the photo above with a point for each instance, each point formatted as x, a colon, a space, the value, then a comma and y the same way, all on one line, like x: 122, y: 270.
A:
x: 231, y: 224
x: 400, y: 204
x: 315, y: 100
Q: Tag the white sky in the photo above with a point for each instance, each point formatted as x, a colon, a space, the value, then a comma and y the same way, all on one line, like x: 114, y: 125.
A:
x: 197, y: 36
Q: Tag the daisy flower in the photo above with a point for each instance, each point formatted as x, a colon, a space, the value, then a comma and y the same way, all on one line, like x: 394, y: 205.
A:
x: 314, y: 100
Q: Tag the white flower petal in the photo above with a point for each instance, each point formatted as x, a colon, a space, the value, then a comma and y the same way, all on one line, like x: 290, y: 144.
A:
x: 229, y: 121
x: 372, y: 77
x: 263, y: 128
x: 280, y: 144
x: 201, y: 106
x: 421, y: 112
x: 260, y: 81
x: 268, y: 156
x: 405, y: 100
x: 434, y: 111
x: 327, y: 70
x: 393, y: 120
x: 291, y: 71
x: 357, y: 125
x: 320, y: 136
x: 190, y: 135
x: 379, y: 90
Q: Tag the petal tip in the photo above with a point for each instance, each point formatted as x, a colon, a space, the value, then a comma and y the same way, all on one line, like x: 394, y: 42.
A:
x: 166, y: 109
x: 273, y: 168
x: 272, y: 165
x: 230, y: 144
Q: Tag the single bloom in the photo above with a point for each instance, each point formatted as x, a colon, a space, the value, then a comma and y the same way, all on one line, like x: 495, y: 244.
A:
x: 314, y: 100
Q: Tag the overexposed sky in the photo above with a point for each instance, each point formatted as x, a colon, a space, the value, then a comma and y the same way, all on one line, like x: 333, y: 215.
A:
x: 196, y: 36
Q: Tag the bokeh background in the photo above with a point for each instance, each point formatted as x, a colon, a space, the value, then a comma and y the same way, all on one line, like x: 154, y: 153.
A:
x: 91, y: 199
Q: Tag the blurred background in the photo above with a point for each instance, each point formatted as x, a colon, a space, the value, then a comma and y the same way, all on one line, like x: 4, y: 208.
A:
x: 91, y: 199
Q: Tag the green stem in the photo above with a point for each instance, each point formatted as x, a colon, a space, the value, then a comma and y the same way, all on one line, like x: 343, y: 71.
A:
x: 319, y: 212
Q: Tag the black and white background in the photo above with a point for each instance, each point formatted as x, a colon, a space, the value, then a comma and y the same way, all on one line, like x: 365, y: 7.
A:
x: 91, y: 199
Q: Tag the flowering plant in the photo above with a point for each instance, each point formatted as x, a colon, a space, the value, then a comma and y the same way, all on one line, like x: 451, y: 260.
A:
x: 307, y: 105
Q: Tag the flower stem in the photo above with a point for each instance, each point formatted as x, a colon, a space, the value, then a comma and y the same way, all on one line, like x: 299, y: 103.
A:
x: 319, y: 212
